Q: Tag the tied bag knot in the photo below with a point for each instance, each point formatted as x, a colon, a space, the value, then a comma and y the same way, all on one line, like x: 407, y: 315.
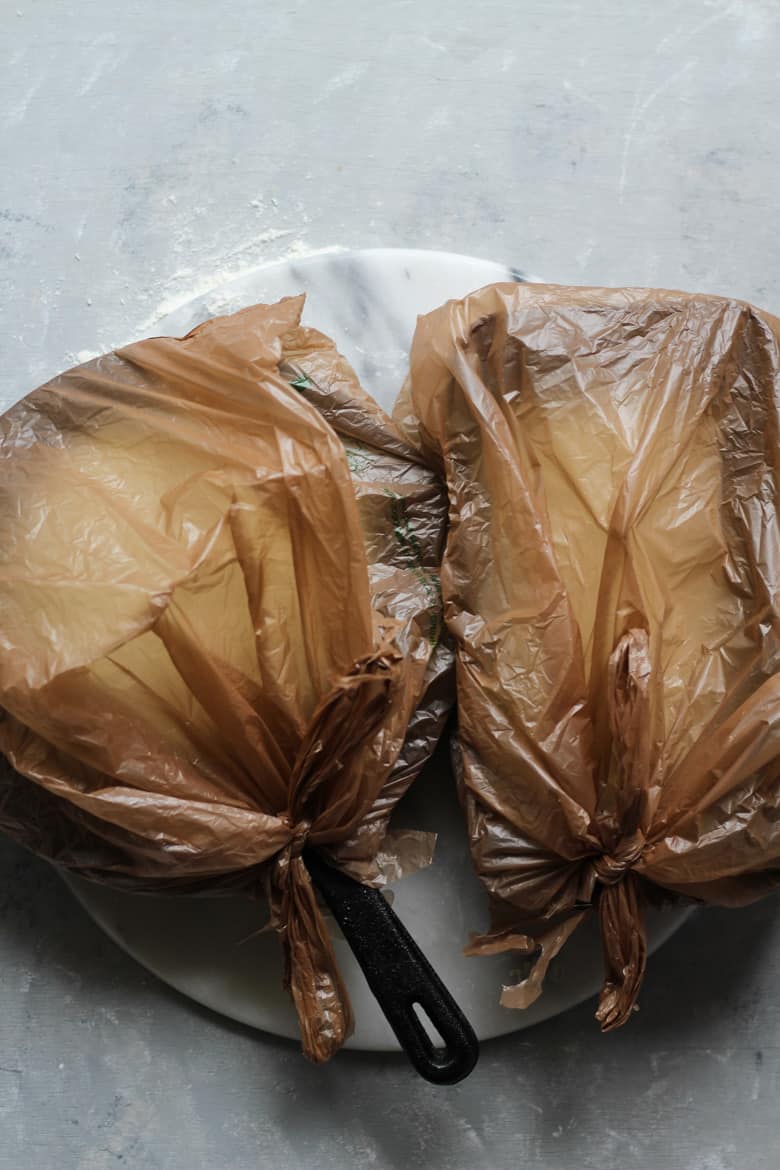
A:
x: 615, y: 893
x: 339, y: 733
x: 611, y: 868
x: 622, y: 926
x: 622, y: 801
x: 621, y: 923
x: 300, y: 837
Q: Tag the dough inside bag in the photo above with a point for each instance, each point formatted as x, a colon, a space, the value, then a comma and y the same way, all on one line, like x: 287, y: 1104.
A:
x: 219, y: 626
x: 611, y: 582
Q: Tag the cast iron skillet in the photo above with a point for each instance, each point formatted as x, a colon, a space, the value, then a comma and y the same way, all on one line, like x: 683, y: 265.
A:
x: 399, y: 975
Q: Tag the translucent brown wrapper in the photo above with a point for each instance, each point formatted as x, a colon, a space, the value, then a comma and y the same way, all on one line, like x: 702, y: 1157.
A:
x: 611, y: 581
x: 219, y: 626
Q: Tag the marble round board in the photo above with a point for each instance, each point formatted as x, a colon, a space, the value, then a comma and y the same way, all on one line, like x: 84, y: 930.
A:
x: 211, y: 948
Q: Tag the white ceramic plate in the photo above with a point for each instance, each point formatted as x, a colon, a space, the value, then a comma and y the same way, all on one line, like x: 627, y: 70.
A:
x: 210, y: 948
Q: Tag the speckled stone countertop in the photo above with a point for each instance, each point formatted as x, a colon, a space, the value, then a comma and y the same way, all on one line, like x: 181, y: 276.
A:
x: 152, y: 151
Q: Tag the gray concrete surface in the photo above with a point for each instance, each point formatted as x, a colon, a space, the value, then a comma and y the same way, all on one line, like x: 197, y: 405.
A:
x: 149, y: 151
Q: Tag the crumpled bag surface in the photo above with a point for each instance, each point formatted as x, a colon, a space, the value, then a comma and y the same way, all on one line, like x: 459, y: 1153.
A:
x: 219, y: 626
x: 611, y: 581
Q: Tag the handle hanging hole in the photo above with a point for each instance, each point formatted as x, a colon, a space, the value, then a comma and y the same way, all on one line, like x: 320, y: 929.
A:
x: 438, y: 1042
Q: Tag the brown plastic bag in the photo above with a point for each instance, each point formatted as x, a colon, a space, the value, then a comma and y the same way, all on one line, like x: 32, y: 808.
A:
x: 611, y: 580
x: 219, y: 626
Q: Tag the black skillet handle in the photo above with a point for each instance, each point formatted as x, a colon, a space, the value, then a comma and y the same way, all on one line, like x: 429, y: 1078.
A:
x: 399, y: 975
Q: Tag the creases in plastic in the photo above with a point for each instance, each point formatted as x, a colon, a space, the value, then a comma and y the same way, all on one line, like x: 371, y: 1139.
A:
x: 611, y: 581
x: 220, y: 627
